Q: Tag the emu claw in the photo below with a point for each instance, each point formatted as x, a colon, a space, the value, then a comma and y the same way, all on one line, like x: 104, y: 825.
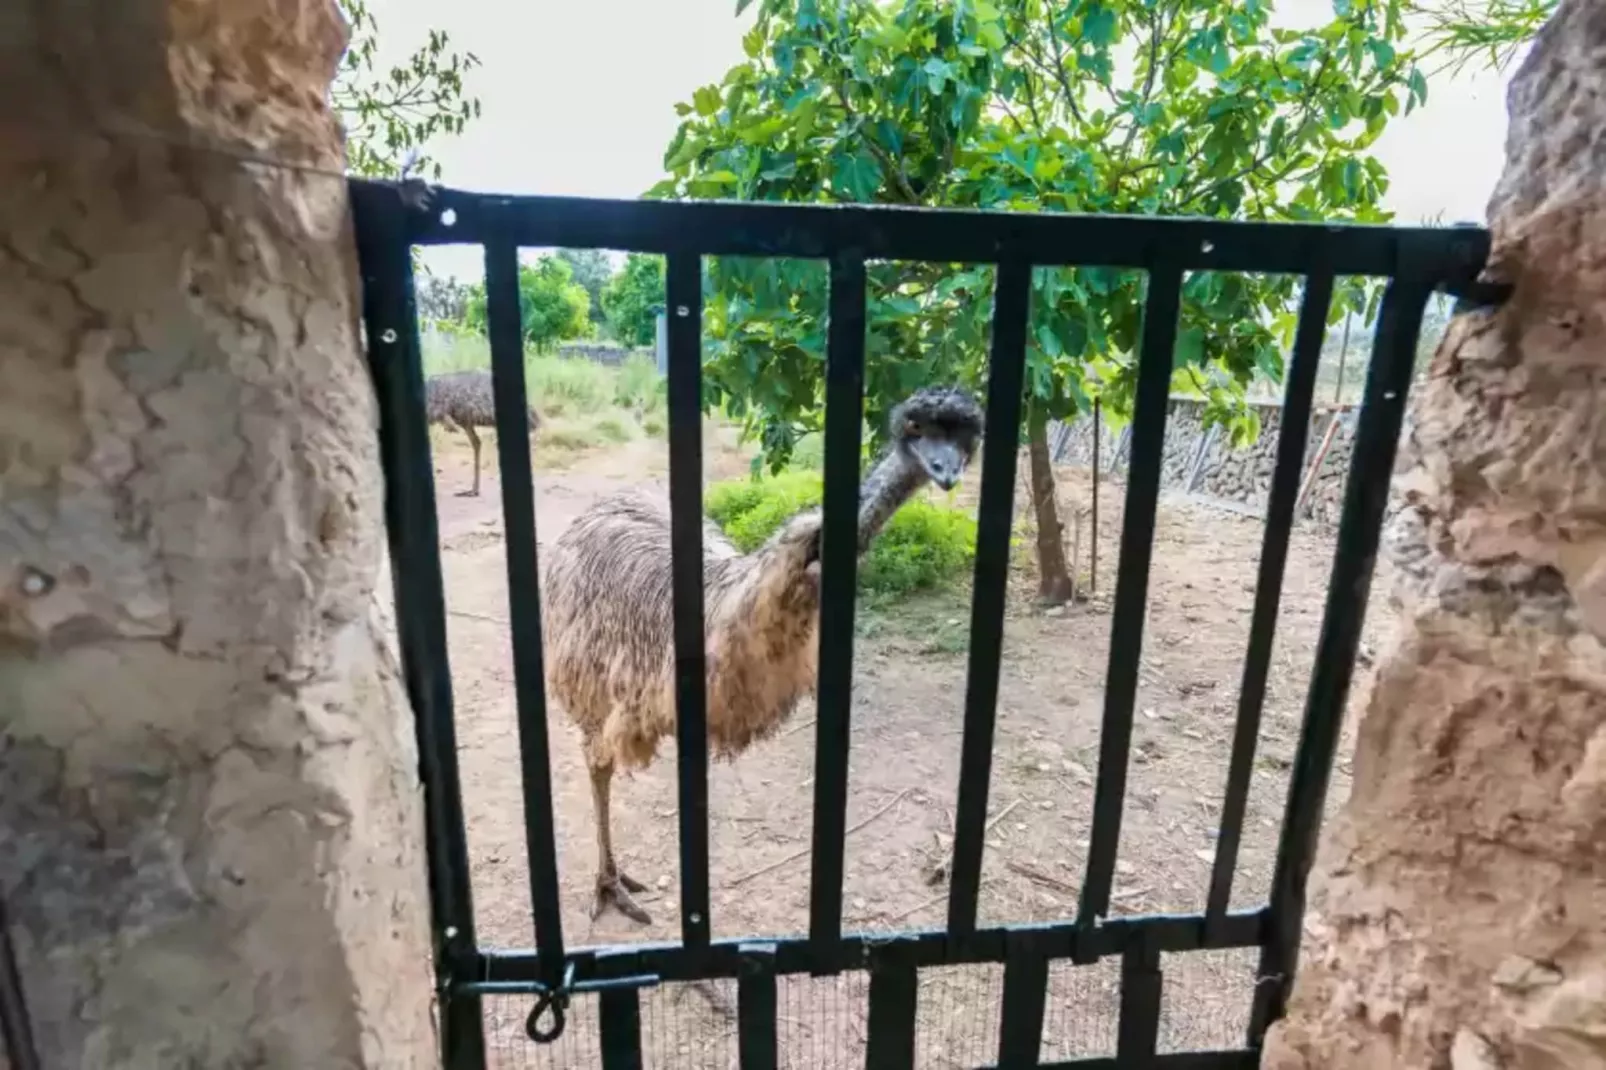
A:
x: 616, y: 890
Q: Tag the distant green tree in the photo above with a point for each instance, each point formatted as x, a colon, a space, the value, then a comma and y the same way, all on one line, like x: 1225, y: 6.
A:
x: 592, y: 270
x: 634, y: 298
x: 390, y: 115
x: 552, y: 306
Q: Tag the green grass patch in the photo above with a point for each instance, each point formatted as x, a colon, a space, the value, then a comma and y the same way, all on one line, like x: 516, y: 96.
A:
x: 924, y: 546
x: 586, y: 404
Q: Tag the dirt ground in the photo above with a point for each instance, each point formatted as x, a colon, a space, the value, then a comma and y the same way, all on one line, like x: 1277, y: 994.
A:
x: 907, y: 715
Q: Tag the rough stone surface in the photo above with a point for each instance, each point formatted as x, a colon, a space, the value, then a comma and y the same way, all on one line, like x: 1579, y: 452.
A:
x: 1203, y: 461
x: 1462, y: 895
x: 210, y: 823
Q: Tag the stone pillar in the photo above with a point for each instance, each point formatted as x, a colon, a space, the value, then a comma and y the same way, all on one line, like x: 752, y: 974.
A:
x: 210, y: 823
x: 1460, y: 920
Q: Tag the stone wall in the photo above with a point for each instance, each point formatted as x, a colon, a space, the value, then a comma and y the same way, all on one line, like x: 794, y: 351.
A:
x: 602, y: 352
x: 1202, y: 461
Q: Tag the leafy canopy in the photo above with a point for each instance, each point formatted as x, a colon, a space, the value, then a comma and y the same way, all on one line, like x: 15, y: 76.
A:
x: 592, y: 271
x: 552, y: 306
x: 1169, y: 107
x: 391, y: 114
x: 633, y: 299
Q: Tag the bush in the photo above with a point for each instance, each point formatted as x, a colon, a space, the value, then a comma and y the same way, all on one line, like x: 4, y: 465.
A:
x: 923, y: 546
x: 569, y: 385
x: 639, y: 388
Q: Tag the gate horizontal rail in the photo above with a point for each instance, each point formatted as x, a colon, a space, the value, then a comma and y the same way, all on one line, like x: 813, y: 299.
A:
x: 392, y: 219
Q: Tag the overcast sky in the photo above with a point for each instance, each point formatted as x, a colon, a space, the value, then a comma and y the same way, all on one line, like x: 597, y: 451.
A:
x: 579, y: 98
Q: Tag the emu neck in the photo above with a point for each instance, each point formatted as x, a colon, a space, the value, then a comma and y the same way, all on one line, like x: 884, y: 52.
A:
x: 893, y: 481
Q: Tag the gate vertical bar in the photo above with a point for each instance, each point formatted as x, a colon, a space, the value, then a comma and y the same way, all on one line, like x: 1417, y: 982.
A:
x: 1293, y: 437
x: 683, y: 287
x: 1139, y: 1032
x: 756, y: 1008
x: 1388, y: 381
x: 894, y: 996
x: 1160, y: 308
x: 15, y: 1027
x: 619, y: 1022
x: 1020, y: 1030
x: 395, y: 362
x: 844, y: 403
x: 1005, y: 377
x: 524, y: 599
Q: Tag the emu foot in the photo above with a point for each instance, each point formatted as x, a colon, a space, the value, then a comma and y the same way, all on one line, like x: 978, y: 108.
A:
x: 472, y: 492
x: 616, y: 890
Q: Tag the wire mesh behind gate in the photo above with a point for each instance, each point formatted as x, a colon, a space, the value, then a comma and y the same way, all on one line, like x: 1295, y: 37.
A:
x: 555, y: 978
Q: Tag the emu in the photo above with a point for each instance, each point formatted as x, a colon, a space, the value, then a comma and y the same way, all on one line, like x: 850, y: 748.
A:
x: 607, y: 603
x: 464, y: 400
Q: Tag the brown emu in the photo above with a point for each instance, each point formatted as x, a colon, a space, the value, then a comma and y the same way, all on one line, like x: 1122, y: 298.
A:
x: 464, y: 400
x: 608, y: 612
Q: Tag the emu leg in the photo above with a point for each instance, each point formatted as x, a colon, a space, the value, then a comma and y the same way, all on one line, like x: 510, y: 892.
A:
x: 613, y: 886
x: 473, y: 440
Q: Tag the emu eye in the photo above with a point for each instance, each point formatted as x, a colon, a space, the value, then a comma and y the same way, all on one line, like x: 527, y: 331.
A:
x: 912, y: 428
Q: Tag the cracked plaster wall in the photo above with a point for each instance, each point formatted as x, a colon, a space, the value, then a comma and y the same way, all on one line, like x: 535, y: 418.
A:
x: 210, y: 823
x: 1459, y: 920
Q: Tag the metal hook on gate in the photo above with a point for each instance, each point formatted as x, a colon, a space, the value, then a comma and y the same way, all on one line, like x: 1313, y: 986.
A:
x: 555, y: 1000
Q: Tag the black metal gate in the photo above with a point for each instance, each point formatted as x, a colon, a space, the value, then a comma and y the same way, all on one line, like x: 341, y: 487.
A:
x: 390, y: 220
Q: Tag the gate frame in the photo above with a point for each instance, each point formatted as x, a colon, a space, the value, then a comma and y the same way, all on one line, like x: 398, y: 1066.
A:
x: 392, y: 218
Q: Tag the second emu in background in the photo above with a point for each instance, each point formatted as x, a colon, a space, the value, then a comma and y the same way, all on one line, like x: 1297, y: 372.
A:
x: 464, y: 400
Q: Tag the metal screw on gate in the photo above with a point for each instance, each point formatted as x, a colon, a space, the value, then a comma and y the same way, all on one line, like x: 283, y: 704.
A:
x: 682, y: 311
x: 387, y: 336
x: 36, y: 584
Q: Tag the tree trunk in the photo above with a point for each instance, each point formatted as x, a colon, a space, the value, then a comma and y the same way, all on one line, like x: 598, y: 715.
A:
x: 1461, y: 914
x: 1056, y: 585
x: 210, y: 830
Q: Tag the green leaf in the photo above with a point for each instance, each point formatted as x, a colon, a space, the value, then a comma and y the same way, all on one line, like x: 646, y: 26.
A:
x: 1190, y: 348
x: 706, y: 100
x: 856, y: 174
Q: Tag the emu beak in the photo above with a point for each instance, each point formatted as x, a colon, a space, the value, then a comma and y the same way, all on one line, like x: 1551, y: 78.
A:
x: 943, y: 461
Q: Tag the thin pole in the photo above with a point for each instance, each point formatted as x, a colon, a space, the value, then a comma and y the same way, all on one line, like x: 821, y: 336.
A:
x: 1343, y: 353
x: 1093, y: 549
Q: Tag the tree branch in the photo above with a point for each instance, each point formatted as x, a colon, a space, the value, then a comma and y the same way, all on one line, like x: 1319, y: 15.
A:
x: 892, y: 170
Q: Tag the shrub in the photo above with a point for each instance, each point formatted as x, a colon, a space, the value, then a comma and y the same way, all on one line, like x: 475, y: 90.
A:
x: 613, y: 429
x: 924, y: 545
x: 569, y: 385
x: 638, y: 387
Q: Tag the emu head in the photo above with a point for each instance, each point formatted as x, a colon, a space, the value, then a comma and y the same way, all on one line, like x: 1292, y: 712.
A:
x: 937, y: 428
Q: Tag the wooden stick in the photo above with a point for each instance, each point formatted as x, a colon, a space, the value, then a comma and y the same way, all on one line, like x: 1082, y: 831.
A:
x: 1040, y: 877
x: 999, y: 817
x: 795, y: 855
x: 476, y: 616
x: 1316, y: 464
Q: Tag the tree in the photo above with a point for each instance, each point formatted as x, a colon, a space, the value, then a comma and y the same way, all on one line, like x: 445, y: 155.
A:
x: 1492, y: 31
x: 441, y: 299
x: 390, y: 115
x: 592, y: 271
x: 634, y: 298
x: 552, y: 306
x: 1022, y: 105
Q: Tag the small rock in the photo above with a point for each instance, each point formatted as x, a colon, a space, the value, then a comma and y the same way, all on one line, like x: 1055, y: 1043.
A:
x: 1020, y: 826
x: 1046, y: 805
x: 858, y: 904
x: 1519, y: 974
x: 1054, y: 611
x: 1205, y: 854
x: 1469, y: 1051
x: 1125, y: 869
x: 663, y: 882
